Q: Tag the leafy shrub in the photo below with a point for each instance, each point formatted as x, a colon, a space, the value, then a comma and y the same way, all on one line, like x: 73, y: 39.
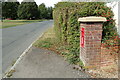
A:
x: 66, y: 23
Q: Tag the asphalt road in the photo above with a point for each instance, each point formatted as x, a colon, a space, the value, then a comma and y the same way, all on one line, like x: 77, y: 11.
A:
x: 16, y: 39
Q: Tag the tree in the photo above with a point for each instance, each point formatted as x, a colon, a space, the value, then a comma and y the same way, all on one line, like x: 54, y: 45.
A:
x: 28, y: 10
x: 0, y: 8
x: 9, y: 9
x: 43, y: 11
x: 49, y: 13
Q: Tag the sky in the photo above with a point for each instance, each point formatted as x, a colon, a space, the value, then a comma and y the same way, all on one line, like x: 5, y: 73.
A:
x: 47, y: 2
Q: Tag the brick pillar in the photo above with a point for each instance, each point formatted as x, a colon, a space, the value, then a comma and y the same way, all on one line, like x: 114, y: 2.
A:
x: 90, y: 40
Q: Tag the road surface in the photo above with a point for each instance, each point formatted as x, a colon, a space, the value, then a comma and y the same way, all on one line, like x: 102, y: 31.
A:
x: 16, y: 39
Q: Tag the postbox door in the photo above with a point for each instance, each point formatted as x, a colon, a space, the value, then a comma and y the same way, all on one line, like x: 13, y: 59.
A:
x: 82, y: 37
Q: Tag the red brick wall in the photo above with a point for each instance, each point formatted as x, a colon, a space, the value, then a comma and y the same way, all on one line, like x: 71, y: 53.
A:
x: 90, y: 54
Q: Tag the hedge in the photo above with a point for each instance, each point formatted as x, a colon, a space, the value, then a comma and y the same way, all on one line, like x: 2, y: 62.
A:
x: 66, y: 23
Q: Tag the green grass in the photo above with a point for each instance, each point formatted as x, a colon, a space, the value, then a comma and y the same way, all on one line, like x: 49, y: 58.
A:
x: 46, y: 43
x: 12, y: 23
x: 47, y: 40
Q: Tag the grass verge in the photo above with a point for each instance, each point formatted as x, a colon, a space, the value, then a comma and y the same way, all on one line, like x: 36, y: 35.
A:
x: 50, y: 41
x: 12, y: 23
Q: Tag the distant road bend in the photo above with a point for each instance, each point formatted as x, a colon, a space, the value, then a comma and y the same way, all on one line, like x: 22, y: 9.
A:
x: 16, y: 39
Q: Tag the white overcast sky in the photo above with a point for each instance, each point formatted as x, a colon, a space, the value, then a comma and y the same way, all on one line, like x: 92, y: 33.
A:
x: 47, y: 2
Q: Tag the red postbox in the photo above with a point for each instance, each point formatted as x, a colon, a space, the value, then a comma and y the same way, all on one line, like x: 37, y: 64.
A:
x: 82, y: 36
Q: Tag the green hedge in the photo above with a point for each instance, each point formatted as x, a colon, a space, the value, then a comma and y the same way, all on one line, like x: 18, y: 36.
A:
x: 66, y: 23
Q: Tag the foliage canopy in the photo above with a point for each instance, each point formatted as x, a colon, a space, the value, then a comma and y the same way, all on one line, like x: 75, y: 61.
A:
x: 9, y: 9
x: 28, y: 10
